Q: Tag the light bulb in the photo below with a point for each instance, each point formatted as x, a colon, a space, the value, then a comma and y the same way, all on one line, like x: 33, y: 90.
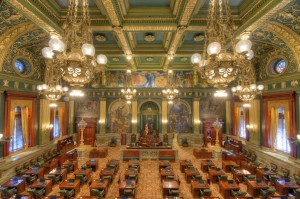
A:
x: 252, y: 86
x: 47, y: 52
x: 260, y: 87
x: 39, y: 87
x: 214, y: 48
x: 101, y: 59
x: 45, y: 86
x: 88, y: 49
x: 239, y: 88
x: 58, y: 87
x: 243, y: 46
x: 56, y: 44
x: 233, y: 89
x: 250, y: 54
x: 196, y: 58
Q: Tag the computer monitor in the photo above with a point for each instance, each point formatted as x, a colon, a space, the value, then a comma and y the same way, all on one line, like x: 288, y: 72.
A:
x: 15, y: 179
x: 128, y: 182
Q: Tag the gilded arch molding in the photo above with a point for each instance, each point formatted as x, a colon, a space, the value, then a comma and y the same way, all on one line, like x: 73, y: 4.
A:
x: 291, y: 38
x: 11, y: 35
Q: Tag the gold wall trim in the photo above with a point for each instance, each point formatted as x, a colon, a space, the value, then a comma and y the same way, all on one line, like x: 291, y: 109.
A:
x: 188, y: 12
x: 111, y: 12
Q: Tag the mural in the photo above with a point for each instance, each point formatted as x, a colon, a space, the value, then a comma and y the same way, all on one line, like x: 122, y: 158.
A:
x: 87, y: 109
x: 179, y: 118
x: 150, y: 79
x: 211, y: 107
x: 120, y: 117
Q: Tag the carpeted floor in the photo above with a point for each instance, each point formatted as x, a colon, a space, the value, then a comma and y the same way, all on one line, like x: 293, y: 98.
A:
x: 149, y: 185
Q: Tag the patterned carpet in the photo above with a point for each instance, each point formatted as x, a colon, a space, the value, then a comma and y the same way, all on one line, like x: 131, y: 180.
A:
x: 149, y: 185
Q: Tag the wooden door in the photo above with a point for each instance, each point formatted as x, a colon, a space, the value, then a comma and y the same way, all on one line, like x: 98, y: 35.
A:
x: 89, y: 133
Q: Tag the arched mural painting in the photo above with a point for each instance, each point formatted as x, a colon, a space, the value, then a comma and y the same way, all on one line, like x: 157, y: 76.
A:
x: 120, y: 117
x: 179, y: 118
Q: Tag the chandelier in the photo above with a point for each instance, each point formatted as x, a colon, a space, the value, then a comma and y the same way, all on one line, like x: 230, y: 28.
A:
x: 247, y: 89
x: 52, y: 88
x: 128, y: 92
x: 75, y: 53
x: 223, y: 57
x: 170, y: 92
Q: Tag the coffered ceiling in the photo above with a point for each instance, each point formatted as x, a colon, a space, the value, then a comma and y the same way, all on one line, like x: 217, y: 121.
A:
x: 149, y: 30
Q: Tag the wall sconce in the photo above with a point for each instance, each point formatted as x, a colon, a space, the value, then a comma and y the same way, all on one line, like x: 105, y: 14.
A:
x: 165, y: 121
x: 249, y: 126
x: 133, y: 121
x: 298, y: 137
x: 197, y: 121
x: 295, y: 140
x: 101, y: 121
x: 48, y: 128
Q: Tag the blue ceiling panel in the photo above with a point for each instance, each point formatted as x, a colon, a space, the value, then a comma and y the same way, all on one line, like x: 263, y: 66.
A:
x: 189, y: 38
x: 108, y: 35
x: 140, y: 37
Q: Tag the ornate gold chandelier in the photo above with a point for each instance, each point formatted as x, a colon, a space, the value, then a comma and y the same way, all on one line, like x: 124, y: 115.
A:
x: 221, y: 63
x: 170, y: 92
x: 75, y: 53
x: 247, y: 89
x: 128, y: 92
x: 52, y: 88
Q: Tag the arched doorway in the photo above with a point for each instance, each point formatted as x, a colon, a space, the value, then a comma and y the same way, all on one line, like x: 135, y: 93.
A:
x: 149, y: 117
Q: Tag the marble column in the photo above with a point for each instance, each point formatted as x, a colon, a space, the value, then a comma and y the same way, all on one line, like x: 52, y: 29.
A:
x: 134, y: 116
x: 102, y: 116
x: 196, y: 115
x: 164, y: 118
x: 44, y: 131
x: 228, y: 124
x: 71, y: 117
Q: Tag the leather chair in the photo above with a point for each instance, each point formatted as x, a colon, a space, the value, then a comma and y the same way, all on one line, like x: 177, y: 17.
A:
x: 66, y: 193
x: 36, y: 192
x: 265, y: 193
x: 129, y: 192
x: 98, y: 193
x: 238, y: 193
x: 133, y: 177
x: 82, y: 178
x: 197, y: 177
x: 222, y: 178
x: 249, y: 177
x: 29, y: 178
x: 8, y: 192
x: 174, y: 192
x: 54, y: 178
x: 169, y: 177
x: 109, y: 178
x: 205, y: 192
x: 69, y: 167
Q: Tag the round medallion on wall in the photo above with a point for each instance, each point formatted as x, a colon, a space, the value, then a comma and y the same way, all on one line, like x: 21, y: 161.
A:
x: 277, y: 66
x: 22, y: 66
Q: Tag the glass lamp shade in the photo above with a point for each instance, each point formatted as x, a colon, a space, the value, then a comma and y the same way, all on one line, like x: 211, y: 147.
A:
x: 196, y: 58
x: 56, y: 44
x: 88, y: 49
x: 243, y: 46
x: 39, y: 87
x: 65, y: 89
x: 260, y: 87
x: 253, y: 86
x: 101, y: 59
x: 58, y: 87
x: 45, y: 86
x: 214, y: 48
x: 250, y: 54
x: 239, y: 88
x: 47, y: 52
x: 233, y: 89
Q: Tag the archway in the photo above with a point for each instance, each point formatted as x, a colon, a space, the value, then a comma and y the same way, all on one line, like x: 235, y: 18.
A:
x: 149, y: 118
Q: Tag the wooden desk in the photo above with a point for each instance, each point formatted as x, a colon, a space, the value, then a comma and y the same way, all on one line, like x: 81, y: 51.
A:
x: 254, y: 189
x: 196, y: 187
x: 227, y: 164
x: 189, y: 173
x: 57, y: 197
x: 60, y: 172
x: 205, y: 164
x: 130, y: 172
x: 169, y: 185
x: 184, y: 164
x: 24, y: 196
x: 67, y: 185
x: 164, y: 164
x: 260, y: 173
x: 47, y: 185
x: 107, y: 172
x: 70, y: 163
x: 164, y: 173
x: 38, y: 172
x: 93, y: 163
x: 239, y: 173
x: 84, y: 172
x: 113, y: 162
x: 283, y: 187
x: 20, y: 184
x: 225, y: 188
x: 248, y: 166
x: 133, y: 163
x: 213, y: 173
x: 95, y: 185
x: 123, y: 186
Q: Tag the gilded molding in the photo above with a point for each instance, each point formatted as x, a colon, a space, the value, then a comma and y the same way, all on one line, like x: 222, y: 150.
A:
x: 11, y: 35
x: 187, y: 12
x: 257, y: 16
x: 33, y: 17
x: 122, y: 38
x: 177, y: 39
x: 134, y: 28
x: 291, y: 39
x: 111, y: 12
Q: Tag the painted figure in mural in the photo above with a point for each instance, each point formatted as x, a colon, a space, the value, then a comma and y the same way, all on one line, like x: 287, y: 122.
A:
x: 146, y: 129
x: 150, y: 80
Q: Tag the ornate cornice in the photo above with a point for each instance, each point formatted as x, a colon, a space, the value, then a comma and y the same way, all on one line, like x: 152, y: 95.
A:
x: 177, y: 39
x: 111, y: 12
x: 290, y: 38
x: 261, y: 11
x: 41, y: 19
x: 187, y: 13
x: 11, y: 35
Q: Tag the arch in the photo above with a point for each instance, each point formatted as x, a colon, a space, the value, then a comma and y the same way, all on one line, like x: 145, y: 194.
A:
x: 186, y: 104
x: 149, y: 100
x: 291, y: 38
x: 11, y: 35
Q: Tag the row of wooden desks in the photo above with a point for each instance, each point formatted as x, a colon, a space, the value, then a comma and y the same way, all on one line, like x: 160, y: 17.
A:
x: 196, y: 186
x: 205, y: 164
